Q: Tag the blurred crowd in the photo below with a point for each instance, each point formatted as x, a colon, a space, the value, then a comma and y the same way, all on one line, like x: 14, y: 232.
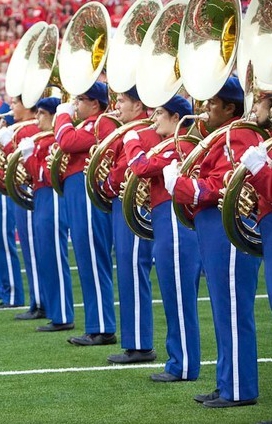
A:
x: 17, y: 16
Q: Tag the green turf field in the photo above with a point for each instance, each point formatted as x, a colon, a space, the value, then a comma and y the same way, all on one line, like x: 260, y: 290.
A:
x: 44, y: 379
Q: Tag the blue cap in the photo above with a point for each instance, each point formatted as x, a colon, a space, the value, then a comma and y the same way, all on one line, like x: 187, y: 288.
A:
x: 4, y: 108
x: 98, y: 91
x: 49, y: 103
x: 232, y: 91
x: 180, y: 105
x: 133, y: 93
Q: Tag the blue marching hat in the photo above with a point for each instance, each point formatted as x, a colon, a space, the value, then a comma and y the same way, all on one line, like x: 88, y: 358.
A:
x: 49, y: 103
x: 4, y: 108
x: 98, y: 91
x: 232, y: 91
x: 180, y: 105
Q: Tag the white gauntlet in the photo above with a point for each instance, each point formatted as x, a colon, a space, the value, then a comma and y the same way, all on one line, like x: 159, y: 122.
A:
x: 255, y: 158
x: 65, y: 108
x: 26, y: 146
x: 130, y: 135
x: 171, y: 174
x: 6, y: 134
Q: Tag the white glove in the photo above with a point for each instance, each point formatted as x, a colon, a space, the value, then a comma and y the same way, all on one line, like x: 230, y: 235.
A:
x: 171, y: 174
x: 65, y: 108
x: 255, y: 158
x: 6, y: 134
x: 26, y: 146
x: 130, y: 135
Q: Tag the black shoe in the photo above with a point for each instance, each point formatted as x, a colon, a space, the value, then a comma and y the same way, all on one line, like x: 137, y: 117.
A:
x: 210, y: 396
x: 93, y: 339
x: 165, y: 377
x: 224, y: 403
x: 8, y: 305
x: 56, y: 327
x: 37, y: 314
x: 130, y: 356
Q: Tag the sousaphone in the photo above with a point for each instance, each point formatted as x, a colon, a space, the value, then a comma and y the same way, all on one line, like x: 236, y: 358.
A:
x: 136, y: 191
x: 15, y: 77
x: 208, y: 45
x: 240, y: 211
x: 82, y: 57
x: 101, y: 159
x: 121, y: 65
x: 39, y: 74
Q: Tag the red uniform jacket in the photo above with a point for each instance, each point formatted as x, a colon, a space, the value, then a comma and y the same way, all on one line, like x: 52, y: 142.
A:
x: 77, y: 141
x: 262, y: 182
x: 116, y: 176
x: 36, y: 165
x: 26, y: 131
x: 19, y: 134
x: 152, y: 167
x: 203, y: 192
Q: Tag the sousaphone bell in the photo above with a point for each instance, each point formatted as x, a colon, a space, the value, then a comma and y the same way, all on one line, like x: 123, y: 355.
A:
x: 158, y: 76
x: 126, y: 43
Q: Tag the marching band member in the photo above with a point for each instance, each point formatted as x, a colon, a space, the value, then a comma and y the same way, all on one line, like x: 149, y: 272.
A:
x: 134, y: 256
x: 258, y: 162
x: 179, y: 270
x: 50, y: 224
x: 90, y: 228
x: 11, y: 290
x: 232, y: 276
x: 24, y: 218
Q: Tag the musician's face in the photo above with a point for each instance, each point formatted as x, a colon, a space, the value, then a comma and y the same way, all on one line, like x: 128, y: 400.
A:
x: 165, y: 123
x: 44, y: 119
x: 218, y: 112
x: 128, y: 109
x: 263, y: 112
x: 85, y: 107
x: 18, y: 109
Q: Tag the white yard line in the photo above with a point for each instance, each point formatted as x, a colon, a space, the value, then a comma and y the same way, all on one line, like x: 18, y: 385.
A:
x: 108, y: 368
x: 154, y: 302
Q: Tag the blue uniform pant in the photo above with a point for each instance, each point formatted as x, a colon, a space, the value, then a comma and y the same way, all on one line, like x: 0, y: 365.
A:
x: 178, y: 266
x: 24, y: 224
x: 134, y: 262
x: 11, y: 288
x: 51, y: 234
x: 266, y: 235
x: 232, y: 278
x: 91, y: 235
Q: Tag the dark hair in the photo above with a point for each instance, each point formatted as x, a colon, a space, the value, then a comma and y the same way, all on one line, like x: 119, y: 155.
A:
x: 239, y: 107
x: 136, y: 100
x: 103, y: 106
x: 185, y: 123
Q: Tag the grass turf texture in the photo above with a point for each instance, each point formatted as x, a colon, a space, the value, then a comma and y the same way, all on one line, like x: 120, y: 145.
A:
x: 44, y: 379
